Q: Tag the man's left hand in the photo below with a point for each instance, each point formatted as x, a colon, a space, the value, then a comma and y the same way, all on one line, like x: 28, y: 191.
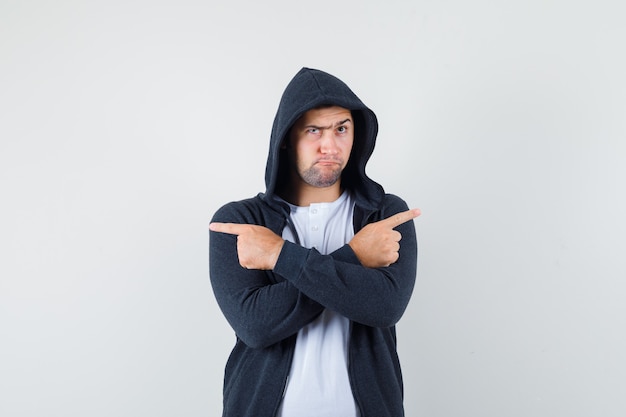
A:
x: 257, y: 246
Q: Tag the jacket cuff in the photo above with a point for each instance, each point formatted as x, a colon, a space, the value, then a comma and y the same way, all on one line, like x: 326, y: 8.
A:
x: 346, y: 254
x: 291, y: 260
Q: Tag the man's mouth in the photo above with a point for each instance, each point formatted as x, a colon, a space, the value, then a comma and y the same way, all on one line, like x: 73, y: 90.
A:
x: 329, y: 162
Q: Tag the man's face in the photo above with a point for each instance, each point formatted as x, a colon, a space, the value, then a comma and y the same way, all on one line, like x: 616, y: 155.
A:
x: 320, y: 143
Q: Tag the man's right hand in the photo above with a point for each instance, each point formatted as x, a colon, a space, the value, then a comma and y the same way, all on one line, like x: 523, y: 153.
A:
x: 377, y: 244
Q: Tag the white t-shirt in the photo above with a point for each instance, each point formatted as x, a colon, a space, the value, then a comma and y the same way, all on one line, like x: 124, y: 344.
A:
x: 318, y: 384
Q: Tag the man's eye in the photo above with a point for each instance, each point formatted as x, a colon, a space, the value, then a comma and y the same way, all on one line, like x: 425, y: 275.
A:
x: 312, y: 131
x: 342, y: 129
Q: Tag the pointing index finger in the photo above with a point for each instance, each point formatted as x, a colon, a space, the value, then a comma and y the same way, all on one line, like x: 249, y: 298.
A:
x: 230, y: 228
x: 402, y: 217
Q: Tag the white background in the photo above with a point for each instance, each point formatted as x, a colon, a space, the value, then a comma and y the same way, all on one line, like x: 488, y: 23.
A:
x: 125, y: 124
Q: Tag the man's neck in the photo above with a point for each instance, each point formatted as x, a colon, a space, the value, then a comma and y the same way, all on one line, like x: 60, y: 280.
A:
x: 304, y: 195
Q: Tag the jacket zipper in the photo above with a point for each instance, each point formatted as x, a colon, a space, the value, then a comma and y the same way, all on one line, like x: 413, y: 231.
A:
x: 285, y: 380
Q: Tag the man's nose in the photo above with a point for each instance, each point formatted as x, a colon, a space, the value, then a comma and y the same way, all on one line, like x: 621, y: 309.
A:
x: 329, y: 143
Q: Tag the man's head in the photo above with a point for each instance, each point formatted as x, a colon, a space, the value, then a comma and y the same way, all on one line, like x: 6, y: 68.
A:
x: 319, y: 145
x: 292, y: 169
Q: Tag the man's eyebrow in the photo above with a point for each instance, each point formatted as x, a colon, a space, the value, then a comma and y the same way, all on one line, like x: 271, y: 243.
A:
x: 343, y: 122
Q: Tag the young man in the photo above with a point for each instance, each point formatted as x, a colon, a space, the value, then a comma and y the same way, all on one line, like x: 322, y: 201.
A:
x: 312, y: 274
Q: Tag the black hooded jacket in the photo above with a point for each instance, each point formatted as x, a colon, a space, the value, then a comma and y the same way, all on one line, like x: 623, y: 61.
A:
x: 267, y: 308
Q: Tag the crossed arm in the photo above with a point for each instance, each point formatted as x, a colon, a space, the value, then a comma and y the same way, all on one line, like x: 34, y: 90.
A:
x: 368, y: 280
x: 376, y: 245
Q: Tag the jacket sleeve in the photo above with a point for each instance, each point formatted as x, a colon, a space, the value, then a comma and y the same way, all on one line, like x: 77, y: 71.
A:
x: 260, y: 310
x: 338, y: 281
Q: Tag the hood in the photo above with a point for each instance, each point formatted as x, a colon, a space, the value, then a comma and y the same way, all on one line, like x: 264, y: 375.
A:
x: 311, y: 88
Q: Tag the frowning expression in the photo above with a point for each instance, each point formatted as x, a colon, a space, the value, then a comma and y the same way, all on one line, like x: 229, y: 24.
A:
x: 320, y: 143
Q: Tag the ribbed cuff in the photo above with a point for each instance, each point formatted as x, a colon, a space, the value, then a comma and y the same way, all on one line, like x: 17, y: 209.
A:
x: 291, y: 261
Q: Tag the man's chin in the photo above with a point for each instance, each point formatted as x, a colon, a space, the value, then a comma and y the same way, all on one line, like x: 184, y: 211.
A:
x: 320, y: 180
